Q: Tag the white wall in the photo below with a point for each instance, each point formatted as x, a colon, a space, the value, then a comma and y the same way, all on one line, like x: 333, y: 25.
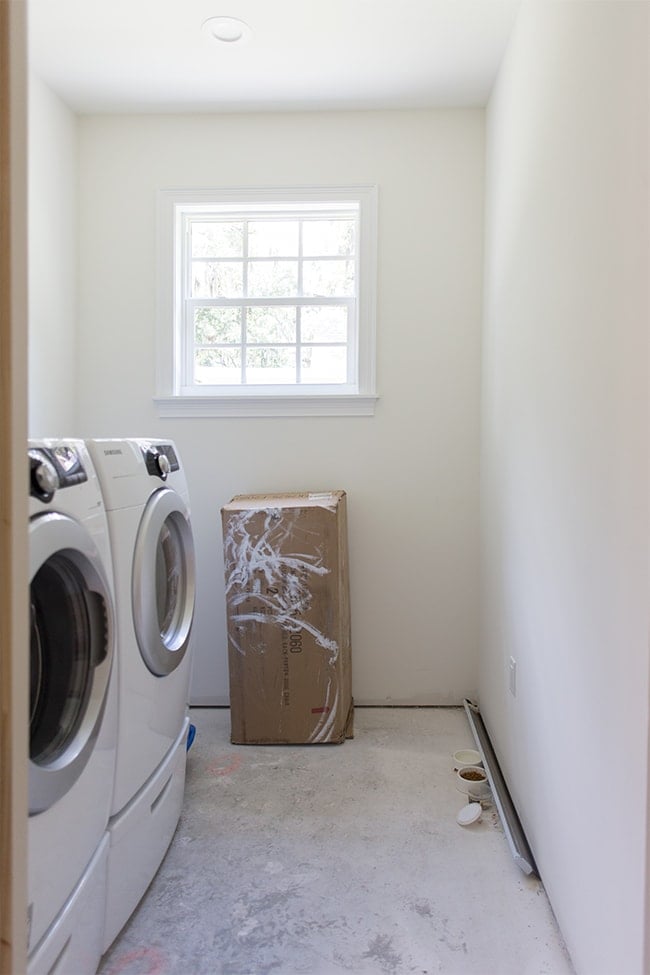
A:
x: 52, y: 210
x: 412, y: 470
x: 565, y: 460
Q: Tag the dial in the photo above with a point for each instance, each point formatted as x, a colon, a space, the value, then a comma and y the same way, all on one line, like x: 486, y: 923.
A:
x: 44, y: 477
x: 157, y: 463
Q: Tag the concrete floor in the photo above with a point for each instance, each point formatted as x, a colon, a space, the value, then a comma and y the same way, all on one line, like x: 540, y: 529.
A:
x: 337, y: 859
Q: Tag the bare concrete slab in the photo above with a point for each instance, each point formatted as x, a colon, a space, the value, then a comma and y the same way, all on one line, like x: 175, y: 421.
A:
x: 324, y: 860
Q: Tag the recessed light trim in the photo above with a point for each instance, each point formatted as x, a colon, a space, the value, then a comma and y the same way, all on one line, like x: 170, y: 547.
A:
x: 228, y: 30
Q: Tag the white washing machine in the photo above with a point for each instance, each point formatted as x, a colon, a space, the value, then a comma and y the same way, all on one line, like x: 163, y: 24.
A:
x: 73, y: 943
x: 146, y: 497
x: 73, y: 704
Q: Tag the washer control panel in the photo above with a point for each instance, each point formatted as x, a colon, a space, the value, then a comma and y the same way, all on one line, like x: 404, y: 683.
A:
x: 160, y: 459
x: 54, y: 468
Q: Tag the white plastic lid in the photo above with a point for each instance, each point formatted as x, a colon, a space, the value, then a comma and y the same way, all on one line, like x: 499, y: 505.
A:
x: 469, y: 814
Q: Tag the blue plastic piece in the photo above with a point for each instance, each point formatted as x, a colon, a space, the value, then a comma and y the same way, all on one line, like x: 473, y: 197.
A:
x: 191, y: 734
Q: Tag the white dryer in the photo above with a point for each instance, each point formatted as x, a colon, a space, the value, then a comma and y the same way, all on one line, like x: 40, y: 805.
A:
x: 73, y: 704
x: 147, y: 504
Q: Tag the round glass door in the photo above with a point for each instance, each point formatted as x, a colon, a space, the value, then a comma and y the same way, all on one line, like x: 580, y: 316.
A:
x: 171, y: 581
x: 163, y: 582
x: 71, y: 634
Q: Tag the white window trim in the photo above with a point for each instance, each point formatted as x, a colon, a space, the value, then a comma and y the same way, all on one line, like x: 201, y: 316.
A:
x: 264, y: 401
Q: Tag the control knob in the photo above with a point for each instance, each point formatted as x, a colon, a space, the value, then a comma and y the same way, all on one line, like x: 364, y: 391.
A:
x: 158, y: 463
x: 44, y: 478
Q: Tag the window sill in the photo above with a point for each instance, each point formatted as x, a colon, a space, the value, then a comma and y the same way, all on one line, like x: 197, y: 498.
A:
x: 258, y: 406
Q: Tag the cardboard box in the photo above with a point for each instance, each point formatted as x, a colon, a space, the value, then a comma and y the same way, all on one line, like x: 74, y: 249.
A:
x: 288, y: 612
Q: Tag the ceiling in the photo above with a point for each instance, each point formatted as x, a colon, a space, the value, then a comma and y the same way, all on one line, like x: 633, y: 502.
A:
x: 153, y: 56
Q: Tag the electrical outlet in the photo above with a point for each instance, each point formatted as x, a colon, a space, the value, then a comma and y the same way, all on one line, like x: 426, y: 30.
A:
x: 512, y: 676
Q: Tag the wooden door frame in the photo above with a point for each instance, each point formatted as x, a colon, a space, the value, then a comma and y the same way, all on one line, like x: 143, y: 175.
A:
x: 13, y: 487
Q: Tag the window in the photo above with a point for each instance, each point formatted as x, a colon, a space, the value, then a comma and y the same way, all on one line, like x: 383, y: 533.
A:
x: 267, y: 301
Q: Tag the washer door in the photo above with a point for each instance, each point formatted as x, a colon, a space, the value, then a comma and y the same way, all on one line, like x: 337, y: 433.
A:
x: 163, y: 582
x: 71, y: 654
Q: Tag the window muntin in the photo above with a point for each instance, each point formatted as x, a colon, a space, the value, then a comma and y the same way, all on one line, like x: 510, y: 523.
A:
x: 269, y: 298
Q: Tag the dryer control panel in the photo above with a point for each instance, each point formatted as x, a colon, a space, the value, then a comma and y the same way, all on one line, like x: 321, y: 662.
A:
x: 160, y: 459
x: 53, y: 468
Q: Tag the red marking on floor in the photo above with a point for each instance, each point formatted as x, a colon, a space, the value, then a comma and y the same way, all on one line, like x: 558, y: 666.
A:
x: 320, y: 710
x: 151, y: 955
x: 233, y: 764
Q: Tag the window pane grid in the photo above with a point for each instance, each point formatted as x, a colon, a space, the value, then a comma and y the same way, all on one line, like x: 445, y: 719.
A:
x: 246, y: 354
x: 325, y: 355
x: 345, y: 222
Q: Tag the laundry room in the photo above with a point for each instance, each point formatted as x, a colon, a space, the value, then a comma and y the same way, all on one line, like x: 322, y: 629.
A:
x: 493, y: 452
